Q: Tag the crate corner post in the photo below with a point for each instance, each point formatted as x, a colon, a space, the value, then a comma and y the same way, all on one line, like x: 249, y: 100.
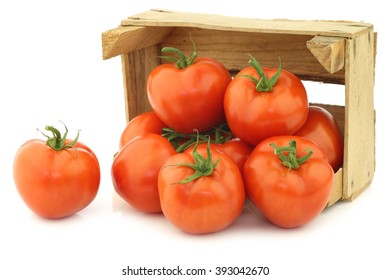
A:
x: 359, y: 154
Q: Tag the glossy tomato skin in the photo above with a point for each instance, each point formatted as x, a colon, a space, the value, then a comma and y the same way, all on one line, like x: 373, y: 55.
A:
x: 147, y: 122
x: 189, y: 98
x: 288, y: 198
x: 207, y: 204
x: 321, y: 127
x: 56, y: 184
x: 135, y: 169
x: 254, y: 116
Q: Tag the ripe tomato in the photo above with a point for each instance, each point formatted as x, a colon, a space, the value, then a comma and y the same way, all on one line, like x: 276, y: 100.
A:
x: 144, y: 123
x: 292, y: 192
x: 191, y: 97
x: 255, y: 112
x: 208, y: 203
x: 135, y: 168
x: 321, y: 127
x: 56, y: 180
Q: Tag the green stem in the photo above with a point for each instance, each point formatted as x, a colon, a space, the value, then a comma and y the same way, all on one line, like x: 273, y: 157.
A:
x: 181, y: 141
x: 288, y: 155
x: 263, y: 84
x: 182, y: 62
x: 202, y: 166
x: 57, y: 142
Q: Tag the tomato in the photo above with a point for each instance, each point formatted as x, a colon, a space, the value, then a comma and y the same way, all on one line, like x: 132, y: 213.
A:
x: 189, y: 96
x: 58, y: 177
x: 144, y: 123
x: 321, y: 127
x: 293, y: 191
x: 255, y: 112
x: 135, y: 169
x: 202, y: 201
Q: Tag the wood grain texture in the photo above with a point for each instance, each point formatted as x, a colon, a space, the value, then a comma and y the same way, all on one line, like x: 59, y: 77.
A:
x: 359, y: 150
x: 329, y: 51
x: 126, y: 39
x: 217, y: 22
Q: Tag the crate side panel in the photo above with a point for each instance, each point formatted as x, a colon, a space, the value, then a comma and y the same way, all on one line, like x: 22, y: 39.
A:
x: 136, y: 67
x: 359, y: 144
x: 232, y: 48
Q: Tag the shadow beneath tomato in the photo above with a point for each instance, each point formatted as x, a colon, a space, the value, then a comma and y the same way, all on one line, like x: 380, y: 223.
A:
x: 75, y: 219
x: 251, y: 219
x: 119, y: 205
x: 72, y: 219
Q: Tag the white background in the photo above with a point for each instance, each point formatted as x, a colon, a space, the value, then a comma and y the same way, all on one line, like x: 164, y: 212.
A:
x: 52, y: 69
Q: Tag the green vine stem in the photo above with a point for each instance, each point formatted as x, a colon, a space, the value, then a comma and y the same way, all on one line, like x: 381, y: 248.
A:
x: 57, y: 142
x: 263, y: 84
x: 182, y: 62
x: 202, y: 166
x: 288, y: 155
x: 181, y: 141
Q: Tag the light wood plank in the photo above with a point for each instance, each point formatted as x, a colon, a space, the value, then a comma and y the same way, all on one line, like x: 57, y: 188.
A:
x: 337, y: 191
x: 126, y: 39
x: 359, y: 144
x: 329, y: 51
x: 217, y: 22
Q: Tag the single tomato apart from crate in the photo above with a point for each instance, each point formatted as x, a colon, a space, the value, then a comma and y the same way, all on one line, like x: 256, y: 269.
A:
x: 58, y: 177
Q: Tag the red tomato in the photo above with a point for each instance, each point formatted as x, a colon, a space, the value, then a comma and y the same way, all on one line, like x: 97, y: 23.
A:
x: 189, y: 98
x: 321, y: 127
x: 206, y: 204
x: 144, y: 123
x: 255, y: 115
x: 135, y: 169
x: 56, y: 183
x: 288, y: 197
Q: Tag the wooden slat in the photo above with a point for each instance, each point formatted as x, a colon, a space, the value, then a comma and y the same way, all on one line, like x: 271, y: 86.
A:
x: 337, y: 191
x: 126, y: 39
x: 217, y: 22
x: 329, y: 51
x: 359, y: 144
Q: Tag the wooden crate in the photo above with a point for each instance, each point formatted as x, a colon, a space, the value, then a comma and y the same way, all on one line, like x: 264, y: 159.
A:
x: 338, y: 52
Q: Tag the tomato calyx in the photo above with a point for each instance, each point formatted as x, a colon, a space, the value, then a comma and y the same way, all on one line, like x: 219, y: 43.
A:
x: 182, y: 141
x: 263, y: 84
x: 182, y: 62
x: 57, y: 142
x: 202, y: 166
x: 288, y: 155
